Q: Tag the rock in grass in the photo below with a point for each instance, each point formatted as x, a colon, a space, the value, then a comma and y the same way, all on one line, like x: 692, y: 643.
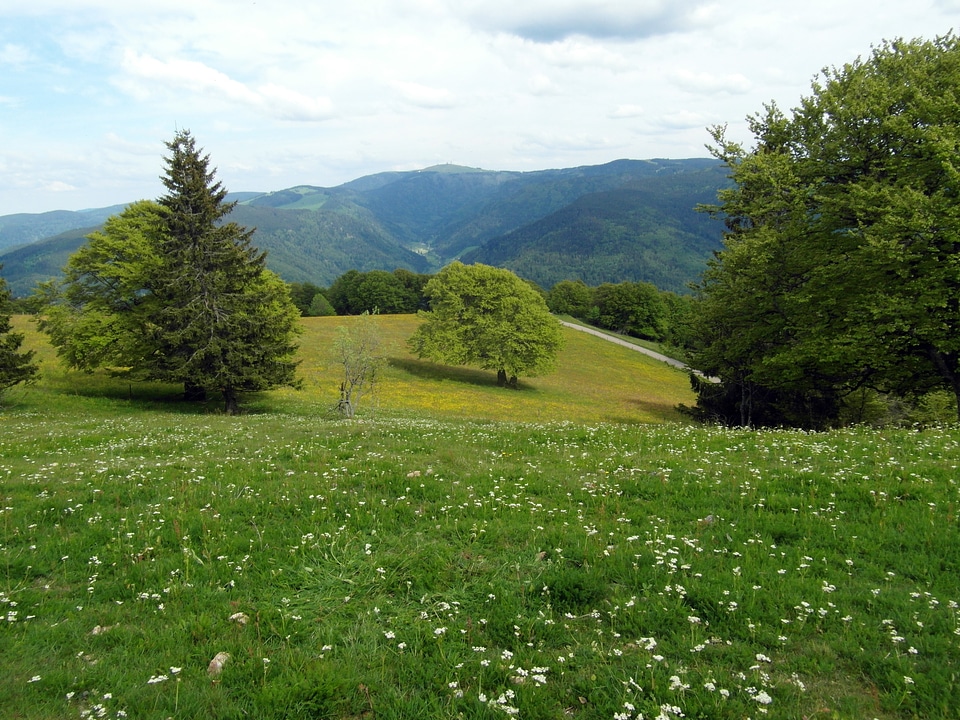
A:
x: 216, y: 665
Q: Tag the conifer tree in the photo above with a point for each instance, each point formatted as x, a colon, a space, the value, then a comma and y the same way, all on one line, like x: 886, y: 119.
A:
x: 15, y: 366
x: 169, y: 291
x: 224, y: 322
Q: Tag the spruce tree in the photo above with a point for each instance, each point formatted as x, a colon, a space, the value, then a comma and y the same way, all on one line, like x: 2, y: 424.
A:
x: 224, y: 322
x: 15, y: 366
x: 170, y: 291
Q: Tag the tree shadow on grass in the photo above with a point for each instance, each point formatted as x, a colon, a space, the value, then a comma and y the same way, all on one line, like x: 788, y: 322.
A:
x: 661, y: 410
x: 147, y: 395
x: 432, y: 371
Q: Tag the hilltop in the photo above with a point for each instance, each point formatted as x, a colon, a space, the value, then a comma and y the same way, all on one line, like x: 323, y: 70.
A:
x: 625, y: 220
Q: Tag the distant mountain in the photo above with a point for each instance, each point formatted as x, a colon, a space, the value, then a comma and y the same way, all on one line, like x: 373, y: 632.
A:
x: 646, y: 230
x: 27, y: 265
x: 625, y: 220
x: 25, y: 228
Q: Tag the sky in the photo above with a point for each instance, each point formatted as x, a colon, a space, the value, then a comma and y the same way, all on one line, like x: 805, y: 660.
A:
x: 319, y: 92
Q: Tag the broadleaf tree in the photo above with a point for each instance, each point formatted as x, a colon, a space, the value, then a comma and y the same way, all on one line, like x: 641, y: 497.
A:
x: 171, y: 291
x: 359, y: 349
x: 489, y: 317
x: 841, y: 265
x: 99, y: 314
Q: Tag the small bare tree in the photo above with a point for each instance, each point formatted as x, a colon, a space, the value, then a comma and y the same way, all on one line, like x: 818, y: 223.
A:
x: 359, y: 348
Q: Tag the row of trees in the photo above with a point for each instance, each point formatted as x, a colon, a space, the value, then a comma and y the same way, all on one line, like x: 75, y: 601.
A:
x: 841, y: 265
x: 630, y: 308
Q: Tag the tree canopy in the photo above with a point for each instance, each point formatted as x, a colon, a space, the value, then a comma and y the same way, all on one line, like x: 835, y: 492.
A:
x: 486, y: 316
x: 170, y: 291
x: 841, y: 262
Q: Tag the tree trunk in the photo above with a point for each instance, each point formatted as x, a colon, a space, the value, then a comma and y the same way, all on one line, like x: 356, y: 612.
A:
x: 231, y: 405
x: 501, y: 378
x: 513, y: 384
x: 193, y: 392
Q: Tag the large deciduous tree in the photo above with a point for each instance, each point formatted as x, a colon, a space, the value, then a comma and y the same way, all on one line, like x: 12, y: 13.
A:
x: 841, y: 266
x: 99, y: 315
x: 486, y: 316
x: 171, y: 291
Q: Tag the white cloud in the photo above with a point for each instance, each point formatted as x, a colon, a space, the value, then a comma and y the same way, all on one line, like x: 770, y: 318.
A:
x: 707, y: 82
x: 58, y: 186
x: 622, y: 112
x: 186, y: 75
x: 289, y: 104
x: 425, y: 96
x: 199, y: 79
x: 541, y: 85
x: 683, y: 120
x: 16, y: 55
x: 566, y: 142
x: 520, y: 85
x: 583, y: 53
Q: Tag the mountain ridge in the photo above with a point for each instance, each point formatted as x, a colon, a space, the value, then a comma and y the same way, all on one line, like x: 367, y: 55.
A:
x: 423, y: 219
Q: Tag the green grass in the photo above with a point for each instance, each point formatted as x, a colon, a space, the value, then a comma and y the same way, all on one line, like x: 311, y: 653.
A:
x: 414, y: 564
x: 595, y: 381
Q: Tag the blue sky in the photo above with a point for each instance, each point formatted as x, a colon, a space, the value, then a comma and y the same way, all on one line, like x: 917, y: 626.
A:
x: 282, y: 93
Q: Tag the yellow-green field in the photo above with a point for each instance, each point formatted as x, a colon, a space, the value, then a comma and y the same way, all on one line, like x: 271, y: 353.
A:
x: 595, y: 381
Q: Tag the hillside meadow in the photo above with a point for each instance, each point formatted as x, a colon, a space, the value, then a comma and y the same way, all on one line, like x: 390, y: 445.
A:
x: 571, y: 550
x: 594, y: 382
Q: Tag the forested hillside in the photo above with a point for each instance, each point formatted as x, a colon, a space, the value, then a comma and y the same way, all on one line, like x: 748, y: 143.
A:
x: 625, y: 220
x: 648, y: 230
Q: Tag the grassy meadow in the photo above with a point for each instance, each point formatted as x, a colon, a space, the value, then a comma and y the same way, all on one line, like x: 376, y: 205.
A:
x: 571, y: 550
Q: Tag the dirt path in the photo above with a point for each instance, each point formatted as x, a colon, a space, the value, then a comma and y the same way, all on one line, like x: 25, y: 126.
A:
x: 610, y: 338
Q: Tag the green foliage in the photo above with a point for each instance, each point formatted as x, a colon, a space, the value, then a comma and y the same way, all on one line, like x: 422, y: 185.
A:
x: 628, y: 308
x: 632, y: 308
x: 302, y: 294
x: 359, y: 350
x: 842, y: 251
x: 399, y: 292
x: 320, y: 306
x: 170, y: 292
x: 570, y: 297
x: 480, y: 315
x: 100, y: 315
x: 16, y: 366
